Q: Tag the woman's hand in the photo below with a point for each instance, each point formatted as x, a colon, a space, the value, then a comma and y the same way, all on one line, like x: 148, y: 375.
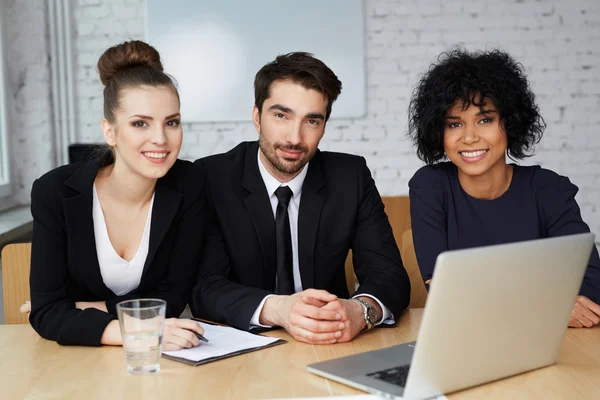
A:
x: 98, y: 305
x: 25, y: 308
x: 585, y: 313
x: 82, y: 305
x: 179, y: 334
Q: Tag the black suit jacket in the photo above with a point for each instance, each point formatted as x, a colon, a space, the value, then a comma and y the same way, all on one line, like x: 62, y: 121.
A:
x: 340, y: 209
x: 64, y: 262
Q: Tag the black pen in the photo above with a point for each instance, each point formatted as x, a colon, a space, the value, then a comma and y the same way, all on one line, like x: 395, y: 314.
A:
x: 199, y: 336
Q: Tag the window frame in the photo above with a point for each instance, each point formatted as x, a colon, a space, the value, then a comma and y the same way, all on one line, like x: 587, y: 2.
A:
x: 5, y: 173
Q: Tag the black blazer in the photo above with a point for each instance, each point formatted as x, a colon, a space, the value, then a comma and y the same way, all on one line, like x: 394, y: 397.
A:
x: 64, y: 262
x: 340, y: 209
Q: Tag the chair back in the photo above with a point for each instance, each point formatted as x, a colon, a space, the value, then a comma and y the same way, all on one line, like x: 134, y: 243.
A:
x: 397, y: 209
x: 16, y: 259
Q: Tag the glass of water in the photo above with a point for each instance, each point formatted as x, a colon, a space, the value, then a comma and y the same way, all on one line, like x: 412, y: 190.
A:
x: 142, y: 322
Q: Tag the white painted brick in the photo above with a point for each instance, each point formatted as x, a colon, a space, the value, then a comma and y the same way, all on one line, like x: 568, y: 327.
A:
x: 375, y: 24
x: 86, y: 3
x: 390, y: 78
x: 431, y: 36
x: 594, y: 138
x: 585, y: 100
x: 531, y: 9
x: 189, y: 140
x: 376, y: 51
x: 332, y: 135
x: 381, y: 11
x: 124, y: 13
x: 95, y: 13
x: 374, y: 133
x: 385, y: 174
x: 383, y: 66
x: 405, y: 36
x: 473, y: 7
x: 86, y: 29
x: 425, y: 8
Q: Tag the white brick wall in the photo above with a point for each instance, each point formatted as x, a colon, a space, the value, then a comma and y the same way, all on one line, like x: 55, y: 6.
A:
x: 557, y: 41
x: 28, y: 93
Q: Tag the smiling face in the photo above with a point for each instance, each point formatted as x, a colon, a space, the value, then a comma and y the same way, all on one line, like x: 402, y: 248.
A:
x: 146, y: 134
x: 474, y: 139
x: 291, y: 124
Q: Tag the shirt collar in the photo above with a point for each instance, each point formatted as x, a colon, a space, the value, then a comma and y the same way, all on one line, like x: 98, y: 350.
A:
x: 273, y: 184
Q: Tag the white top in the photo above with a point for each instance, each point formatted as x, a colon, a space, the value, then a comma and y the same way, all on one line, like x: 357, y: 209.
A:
x: 119, y: 275
x: 295, y: 185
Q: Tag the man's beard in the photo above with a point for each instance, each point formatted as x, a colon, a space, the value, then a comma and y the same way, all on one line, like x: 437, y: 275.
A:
x: 280, y: 164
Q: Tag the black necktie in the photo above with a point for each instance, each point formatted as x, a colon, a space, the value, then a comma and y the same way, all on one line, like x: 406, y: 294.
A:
x: 285, y: 275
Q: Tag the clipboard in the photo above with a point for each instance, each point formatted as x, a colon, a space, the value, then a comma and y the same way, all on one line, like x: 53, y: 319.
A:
x: 224, y: 356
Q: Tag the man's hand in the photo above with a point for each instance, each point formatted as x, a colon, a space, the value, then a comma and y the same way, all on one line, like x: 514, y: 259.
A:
x: 353, y: 316
x: 306, y: 322
x: 585, y: 313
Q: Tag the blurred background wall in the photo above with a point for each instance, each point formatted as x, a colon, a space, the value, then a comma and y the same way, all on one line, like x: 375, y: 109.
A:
x: 557, y: 41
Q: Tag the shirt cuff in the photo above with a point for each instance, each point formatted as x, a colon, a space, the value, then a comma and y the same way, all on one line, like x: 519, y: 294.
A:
x: 387, y: 318
x: 254, y: 321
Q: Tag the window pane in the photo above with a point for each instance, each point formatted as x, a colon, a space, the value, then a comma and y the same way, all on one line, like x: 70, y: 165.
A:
x: 4, y: 175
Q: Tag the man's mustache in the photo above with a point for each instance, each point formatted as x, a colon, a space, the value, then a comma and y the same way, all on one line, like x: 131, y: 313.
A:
x: 292, y: 147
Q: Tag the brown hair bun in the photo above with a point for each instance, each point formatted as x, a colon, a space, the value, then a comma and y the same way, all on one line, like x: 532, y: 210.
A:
x: 127, y: 55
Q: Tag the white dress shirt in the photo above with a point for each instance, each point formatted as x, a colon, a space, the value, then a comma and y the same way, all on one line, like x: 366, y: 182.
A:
x: 295, y: 185
x: 119, y: 275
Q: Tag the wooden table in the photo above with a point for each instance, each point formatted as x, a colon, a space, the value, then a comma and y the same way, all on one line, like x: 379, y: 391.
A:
x: 34, y: 368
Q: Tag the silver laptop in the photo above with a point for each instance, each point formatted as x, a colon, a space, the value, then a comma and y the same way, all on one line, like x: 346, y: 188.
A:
x: 491, y: 312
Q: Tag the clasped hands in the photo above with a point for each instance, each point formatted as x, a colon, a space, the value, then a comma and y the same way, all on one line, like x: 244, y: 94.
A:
x: 585, y: 313
x: 315, y: 316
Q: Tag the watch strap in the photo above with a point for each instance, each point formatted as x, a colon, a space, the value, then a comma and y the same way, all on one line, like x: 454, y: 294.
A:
x: 366, y: 307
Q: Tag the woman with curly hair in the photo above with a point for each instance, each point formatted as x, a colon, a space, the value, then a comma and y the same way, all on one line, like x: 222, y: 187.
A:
x: 468, y: 112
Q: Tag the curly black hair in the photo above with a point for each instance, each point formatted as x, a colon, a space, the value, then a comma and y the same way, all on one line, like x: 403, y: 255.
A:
x: 471, y: 78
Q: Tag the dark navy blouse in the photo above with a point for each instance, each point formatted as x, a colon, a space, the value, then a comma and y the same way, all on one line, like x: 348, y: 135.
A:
x: 538, y: 204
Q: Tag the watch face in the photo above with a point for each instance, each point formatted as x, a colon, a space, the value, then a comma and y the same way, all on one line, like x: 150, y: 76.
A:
x: 372, y: 315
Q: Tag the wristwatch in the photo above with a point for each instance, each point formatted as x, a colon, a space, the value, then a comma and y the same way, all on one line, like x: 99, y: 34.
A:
x: 370, y: 314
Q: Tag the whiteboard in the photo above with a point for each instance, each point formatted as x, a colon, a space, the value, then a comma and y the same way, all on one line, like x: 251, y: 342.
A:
x: 214, y: 49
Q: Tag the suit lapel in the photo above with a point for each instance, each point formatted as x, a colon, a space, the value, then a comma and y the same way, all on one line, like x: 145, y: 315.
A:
x: 80, y: 223
x: 309, y: 215
x: 80, y: 227
x: 164, y: 209
x: 259, y: 208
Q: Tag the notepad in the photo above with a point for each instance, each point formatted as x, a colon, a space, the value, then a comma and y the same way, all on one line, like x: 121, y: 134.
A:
x: 349, y: 397
x: 223, y: 342
x: 354, y: 397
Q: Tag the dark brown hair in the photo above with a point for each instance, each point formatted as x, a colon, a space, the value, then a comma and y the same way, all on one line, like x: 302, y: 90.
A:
x: 301, y: 68
x: 129, y: 64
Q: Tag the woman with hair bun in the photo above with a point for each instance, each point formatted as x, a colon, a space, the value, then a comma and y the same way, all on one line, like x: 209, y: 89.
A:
x: 126, y: 225
x: 467, y: 114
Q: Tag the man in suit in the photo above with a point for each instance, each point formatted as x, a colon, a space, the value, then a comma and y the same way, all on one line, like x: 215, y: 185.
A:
x: 286, y: 215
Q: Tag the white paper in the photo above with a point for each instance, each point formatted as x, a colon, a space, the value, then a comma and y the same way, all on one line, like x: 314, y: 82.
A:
x: 347, y: 397
x: 355, y: 397
x: 222, y: 340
